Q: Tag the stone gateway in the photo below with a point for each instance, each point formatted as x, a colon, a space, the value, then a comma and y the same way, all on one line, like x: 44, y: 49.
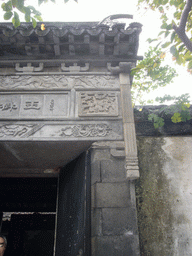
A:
x: 67, y: 138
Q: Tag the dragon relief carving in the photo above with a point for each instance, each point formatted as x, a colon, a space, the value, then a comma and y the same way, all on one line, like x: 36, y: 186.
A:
x: 96, y: 82
x: 57, y: 81
x: 18, y: 130
x: 33, y: 82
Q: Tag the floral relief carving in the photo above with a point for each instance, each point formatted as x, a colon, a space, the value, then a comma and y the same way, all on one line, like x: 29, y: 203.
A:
x: 86, y: 130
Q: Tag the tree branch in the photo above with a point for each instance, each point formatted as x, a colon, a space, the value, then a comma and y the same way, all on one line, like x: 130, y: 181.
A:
x: 181, y: 29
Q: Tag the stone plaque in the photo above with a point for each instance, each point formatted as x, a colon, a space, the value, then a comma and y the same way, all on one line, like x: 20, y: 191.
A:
x: 98, y: 104
x: 9, y: 105
x: 34, y: 105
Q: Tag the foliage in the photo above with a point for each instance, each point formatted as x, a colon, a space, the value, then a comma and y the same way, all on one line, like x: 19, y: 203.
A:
x: 13, y: 9
x: 177, y: 31
x: 178, y: 112
x: 150, y: 74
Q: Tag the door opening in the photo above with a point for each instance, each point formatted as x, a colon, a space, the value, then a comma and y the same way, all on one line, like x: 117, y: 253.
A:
x: 48, y: 216
x: 29, y: 210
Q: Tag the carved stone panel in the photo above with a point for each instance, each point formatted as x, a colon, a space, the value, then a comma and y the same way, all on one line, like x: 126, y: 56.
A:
x: 92, y: 130
x: 98, y: 103
x: 36, y: 82
x: 34, y: 105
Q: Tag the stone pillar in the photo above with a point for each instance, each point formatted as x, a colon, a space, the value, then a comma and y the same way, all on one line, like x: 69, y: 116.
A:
x: 114, y: 224
x: 132, y: 169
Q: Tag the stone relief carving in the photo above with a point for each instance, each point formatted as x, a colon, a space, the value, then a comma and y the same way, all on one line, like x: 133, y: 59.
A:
x: 57, y: 82
x: 98, y: 103
x: 33, y: 82
x: 96, y: 82
x: 75, y: 131
x: 85, y: 130
x: 18, y: 130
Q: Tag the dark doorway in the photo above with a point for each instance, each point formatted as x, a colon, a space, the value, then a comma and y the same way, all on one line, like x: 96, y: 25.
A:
x: 31, y: 234
x: 73, y: 236
x: 34, y: 234
x: 29, y: 207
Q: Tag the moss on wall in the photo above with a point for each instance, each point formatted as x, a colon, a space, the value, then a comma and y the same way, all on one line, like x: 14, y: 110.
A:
x: 155, y: 218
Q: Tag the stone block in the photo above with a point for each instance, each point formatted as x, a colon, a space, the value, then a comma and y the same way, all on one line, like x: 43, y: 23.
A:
x: 95, y: 172
x: 113, y: 170
x: 96, y: 222
x: 115, y: 246
x: 93, y: 201
x: 119, y: 221
x: 112, y: 195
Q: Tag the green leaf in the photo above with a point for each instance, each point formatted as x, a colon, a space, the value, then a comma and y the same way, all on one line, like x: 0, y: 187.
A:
x: 164, y: 26
x: 166, y: 44
x: 173, y: 36
x: 40, y: 2
x: 169, y: 27
x: 14, y: 3
x: 190, y: 64
x: 8, y: 15
x: 27, y: 17
x: 3, y: 6
x: 179, y: 60
x: 173, y: 50
x: 176, y: 118
x: 181, y: 48
x: 16, y: 20
x: 38, y: 17
x: 161, y: 33
x: 167, y: 33
x: 34, y: 23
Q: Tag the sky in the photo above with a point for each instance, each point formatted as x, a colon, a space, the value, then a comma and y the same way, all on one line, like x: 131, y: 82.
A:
x: 97, y: 10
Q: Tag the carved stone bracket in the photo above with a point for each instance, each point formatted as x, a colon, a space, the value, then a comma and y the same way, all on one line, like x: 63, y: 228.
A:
x: 74, y: 68
x: 117, y: 149
x: 132, y: 168
x: 29, y: 68
x: 124, y: 67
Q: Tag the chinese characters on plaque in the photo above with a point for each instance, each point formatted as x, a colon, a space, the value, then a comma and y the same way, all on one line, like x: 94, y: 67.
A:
x: 34, y: 105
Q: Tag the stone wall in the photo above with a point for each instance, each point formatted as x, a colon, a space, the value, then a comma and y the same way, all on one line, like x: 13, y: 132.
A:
x: 114, y: 222
x: 164, y: 195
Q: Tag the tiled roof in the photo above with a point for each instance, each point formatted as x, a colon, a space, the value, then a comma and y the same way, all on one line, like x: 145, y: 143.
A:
x: 69, y: 40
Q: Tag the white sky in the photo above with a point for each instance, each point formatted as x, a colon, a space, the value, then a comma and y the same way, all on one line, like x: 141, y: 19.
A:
x: 97, y: 10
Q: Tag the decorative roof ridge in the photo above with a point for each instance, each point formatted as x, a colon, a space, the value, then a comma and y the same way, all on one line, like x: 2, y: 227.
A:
x: 70, y: 25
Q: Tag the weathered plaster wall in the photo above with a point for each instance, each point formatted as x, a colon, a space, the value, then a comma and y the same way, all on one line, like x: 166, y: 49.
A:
x: 164, y: 195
